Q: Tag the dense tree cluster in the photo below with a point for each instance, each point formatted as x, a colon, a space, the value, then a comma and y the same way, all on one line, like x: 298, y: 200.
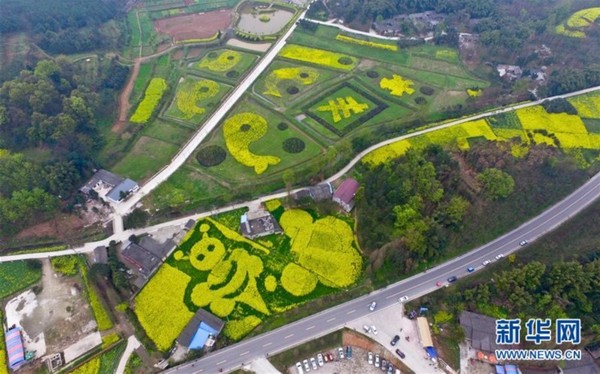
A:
x: 48, y: 136
x: 66, y: 26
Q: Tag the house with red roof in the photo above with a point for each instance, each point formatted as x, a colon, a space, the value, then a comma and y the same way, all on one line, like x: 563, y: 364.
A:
x: 344, y: 195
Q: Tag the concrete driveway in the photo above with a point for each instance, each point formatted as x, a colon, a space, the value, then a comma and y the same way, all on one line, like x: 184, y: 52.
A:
x: 388, y: 322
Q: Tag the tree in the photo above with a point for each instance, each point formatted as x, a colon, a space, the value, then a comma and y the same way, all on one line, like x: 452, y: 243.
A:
x: 497, y: 184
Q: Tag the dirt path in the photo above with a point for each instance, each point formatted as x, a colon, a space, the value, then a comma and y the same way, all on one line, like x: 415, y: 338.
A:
x: 124, y: 98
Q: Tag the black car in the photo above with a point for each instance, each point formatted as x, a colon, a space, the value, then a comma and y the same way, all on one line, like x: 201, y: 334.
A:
x: 400, y: 353
x: 395, y: 340
x: 452, y: 279
x: 383, y: 365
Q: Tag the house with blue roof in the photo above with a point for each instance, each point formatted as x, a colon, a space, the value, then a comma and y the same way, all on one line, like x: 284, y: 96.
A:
x: 201, y: 332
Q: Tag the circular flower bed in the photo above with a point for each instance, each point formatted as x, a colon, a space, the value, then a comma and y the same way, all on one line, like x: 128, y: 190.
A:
x: 282, y: 126
x: 297, y: 280
x: 293, y: 145
x: 420, y: 100
x: 372, y: 74
x: 345, y: 60
x: 212, y: 155
x: 292, y: 90
x: 232, y: 74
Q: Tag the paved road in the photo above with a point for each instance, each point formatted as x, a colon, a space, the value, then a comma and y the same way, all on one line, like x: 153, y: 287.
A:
x: 123, y: 208
x: 334, y: 318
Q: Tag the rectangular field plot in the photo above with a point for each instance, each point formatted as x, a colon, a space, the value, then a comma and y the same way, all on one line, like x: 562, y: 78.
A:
x: 147, y: 156
x: 195, y: 99
x: 167, y: 131
x: 226, y: 64
x: 344, y: 108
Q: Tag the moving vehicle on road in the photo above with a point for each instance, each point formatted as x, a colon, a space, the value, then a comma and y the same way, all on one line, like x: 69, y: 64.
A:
x: 299, y: 368
x: 372, y: 306
x: 400, y: 353
x: 470, y: 269
x: 439, y: 283
x: 395, y: 340
x: 452, y: 279
x: 403, y: 299
x: 320, y: 359
x: 370, y: 358
x: 523, y: 243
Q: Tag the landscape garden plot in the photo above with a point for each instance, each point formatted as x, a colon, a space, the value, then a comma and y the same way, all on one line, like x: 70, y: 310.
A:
x: 576, y: 25
x: 168, y: 131
x: 245, y: 281
x: 319, y: 57
x: 324, y: 37
x: 344, y: 108
x: 284, y: 82
x: 141, y: 82
x: 380, y: 45
x: 18, y: 275
x: 256, y: 140
x: 147, y: 156
x: 225, y: 63
x: 195, y: 99
x: 152, y: 96
x: 588, y: 106
x: 436, y: 52
x: 436, y: 78
x: 195, y: 26
x: 527, y: 124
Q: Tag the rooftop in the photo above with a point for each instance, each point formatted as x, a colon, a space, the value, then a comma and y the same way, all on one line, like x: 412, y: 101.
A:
x: 142, y: 258
x: 124, y: 187
x: 101, y: 177
x: 346, y: 191
x: 196, y: 332
x: 480, y: 329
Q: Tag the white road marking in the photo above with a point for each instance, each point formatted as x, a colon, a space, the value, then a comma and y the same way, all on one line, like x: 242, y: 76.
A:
x: 331, y: 319
x: 222, y: 362
x: 266, y: 345
x: 352, y: 311
x: 310, y: 328
x: 289, y: 336
x: 245, y: 353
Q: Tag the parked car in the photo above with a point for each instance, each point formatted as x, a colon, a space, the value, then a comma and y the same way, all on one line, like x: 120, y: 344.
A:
x: 390, y: 368
x: 499, y: 256
x: 523, y: 243
x: 299, y: 368
x: 348, y: 352
x: 372, y: 306
x: 403, y: 299
x: 320, y: 359
x: 439, y: 283
x: 367, y: 328
x: 340, y: 353
x: 452, y: 279
x: 306, y: 367
x: 470, y: 269
x: 374, y: 329
x: 383, y: 365
x: 330, y: 355
x: 486, y: 262
x: 395, y: 340
x: 313, y: 362
x: 370, y: 358
x: 377, y: 361
x: 400, y: 353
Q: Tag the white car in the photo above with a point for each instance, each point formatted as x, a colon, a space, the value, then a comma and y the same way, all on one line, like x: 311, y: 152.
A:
x: 299, y: 368
x: 499, y: 256
x: 306, y: 367
x: 372, y: 306
x: 374, y: 329
x: 376, y: 361
x: 367, y: 328
x: 313, y: 362
x: 370, y: 358
x: 486, y: 262
x: 341, y: 352
x: 403, y: 299
x: 523, y: 243
x: 320, y: 359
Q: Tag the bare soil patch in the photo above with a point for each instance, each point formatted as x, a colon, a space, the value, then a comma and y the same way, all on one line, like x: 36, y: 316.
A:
x: 57, y: 228
x: 178, y: 54
x: 124, y: 106
x: 195, y: 52
x: 194, y: 26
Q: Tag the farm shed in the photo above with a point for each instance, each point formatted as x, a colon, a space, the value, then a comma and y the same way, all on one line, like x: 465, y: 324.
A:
x: 201, y: 331
x: 14, y: 348
x: 344, y: 195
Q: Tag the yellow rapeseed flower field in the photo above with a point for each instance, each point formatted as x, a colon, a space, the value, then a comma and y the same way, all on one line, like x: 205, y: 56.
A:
x: 152, y: 97
x: 90, y: 367
x: 225, y: 61
x: 242, y: 129
x: 367, y: 43
x: 318, y: 56
x: 588, y: 106
x: 239, y: 328
x: 190, y: 93
x: 301, y: 75
x: 397, y: 85
x: 297, y: 280
x: 160, y: 307
x: 536, y: 117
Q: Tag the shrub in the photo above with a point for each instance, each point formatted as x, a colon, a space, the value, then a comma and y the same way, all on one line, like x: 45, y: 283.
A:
x: 264, y: 18
x: 293, y: 145
x: 232, y: 74
x: 372, y: 74
x: 282, y: 126
x: 420, y: 100
x: 211, y: 155
x: 426, y: 90
x: 345, y: 60
x: 66, y: 265
x: 292, y: 90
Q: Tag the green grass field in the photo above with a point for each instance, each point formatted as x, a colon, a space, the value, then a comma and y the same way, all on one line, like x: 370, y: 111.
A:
x: 167, y: 131
x: 146, y: 157
x: 141, y: 81
x: 192, y: 109
x: 18, y: 275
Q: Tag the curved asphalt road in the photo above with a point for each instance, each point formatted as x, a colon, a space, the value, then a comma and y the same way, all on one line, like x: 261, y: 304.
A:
x: 334, y: 318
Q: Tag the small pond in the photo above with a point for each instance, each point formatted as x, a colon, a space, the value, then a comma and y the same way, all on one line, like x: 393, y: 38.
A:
x: 260, y: 19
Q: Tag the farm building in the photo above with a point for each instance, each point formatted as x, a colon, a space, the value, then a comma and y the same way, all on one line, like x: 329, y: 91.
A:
x: 344, y: 195
x: 14, y: 348
x: 257, y: 223
x: 109, y: 186
x: 201, y: 331
x: 424, y: 333
x: 144, y: 261
x: 320, y: 192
